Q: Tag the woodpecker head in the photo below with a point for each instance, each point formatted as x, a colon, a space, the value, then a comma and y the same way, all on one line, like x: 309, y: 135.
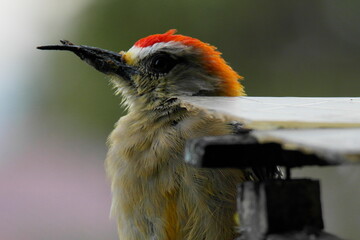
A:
x: 163, y: 65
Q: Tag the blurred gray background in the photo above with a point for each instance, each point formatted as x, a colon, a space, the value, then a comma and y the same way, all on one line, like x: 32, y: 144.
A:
x: 56, y: 112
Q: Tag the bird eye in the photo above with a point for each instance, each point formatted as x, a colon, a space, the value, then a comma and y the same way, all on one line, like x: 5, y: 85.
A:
x: 163, y: 63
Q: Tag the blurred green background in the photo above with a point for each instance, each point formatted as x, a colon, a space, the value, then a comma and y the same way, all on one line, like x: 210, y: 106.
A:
x: 56, y: 112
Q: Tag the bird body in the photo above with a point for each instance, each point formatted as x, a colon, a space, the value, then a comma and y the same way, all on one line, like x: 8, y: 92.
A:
x: 156, y: 196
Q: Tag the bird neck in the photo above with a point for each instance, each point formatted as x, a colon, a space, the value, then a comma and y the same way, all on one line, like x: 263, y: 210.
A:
x: 165, y: 110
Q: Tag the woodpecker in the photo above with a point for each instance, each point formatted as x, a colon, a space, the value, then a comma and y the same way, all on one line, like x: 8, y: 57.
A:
x: 156, y: 196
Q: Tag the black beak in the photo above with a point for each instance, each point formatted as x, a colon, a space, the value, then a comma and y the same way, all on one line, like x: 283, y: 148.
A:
x: 105, y: 61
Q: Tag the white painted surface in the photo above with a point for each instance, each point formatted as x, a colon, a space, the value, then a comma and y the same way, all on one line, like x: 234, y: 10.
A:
x: 285, y: 112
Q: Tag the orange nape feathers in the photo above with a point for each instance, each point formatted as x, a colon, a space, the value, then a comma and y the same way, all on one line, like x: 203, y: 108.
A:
x: 212, y: 59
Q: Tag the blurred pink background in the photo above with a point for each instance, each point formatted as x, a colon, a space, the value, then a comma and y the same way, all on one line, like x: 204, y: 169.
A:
x: 53, y: 189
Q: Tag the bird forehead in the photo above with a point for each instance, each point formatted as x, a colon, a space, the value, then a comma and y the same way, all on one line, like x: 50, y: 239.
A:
x: 136, y: 53
x: 157, y: 38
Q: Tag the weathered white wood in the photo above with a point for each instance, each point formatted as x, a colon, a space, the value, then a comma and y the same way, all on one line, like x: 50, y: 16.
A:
x: 326, y: 127
x: 285, y: 112
x: 341, y: 144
